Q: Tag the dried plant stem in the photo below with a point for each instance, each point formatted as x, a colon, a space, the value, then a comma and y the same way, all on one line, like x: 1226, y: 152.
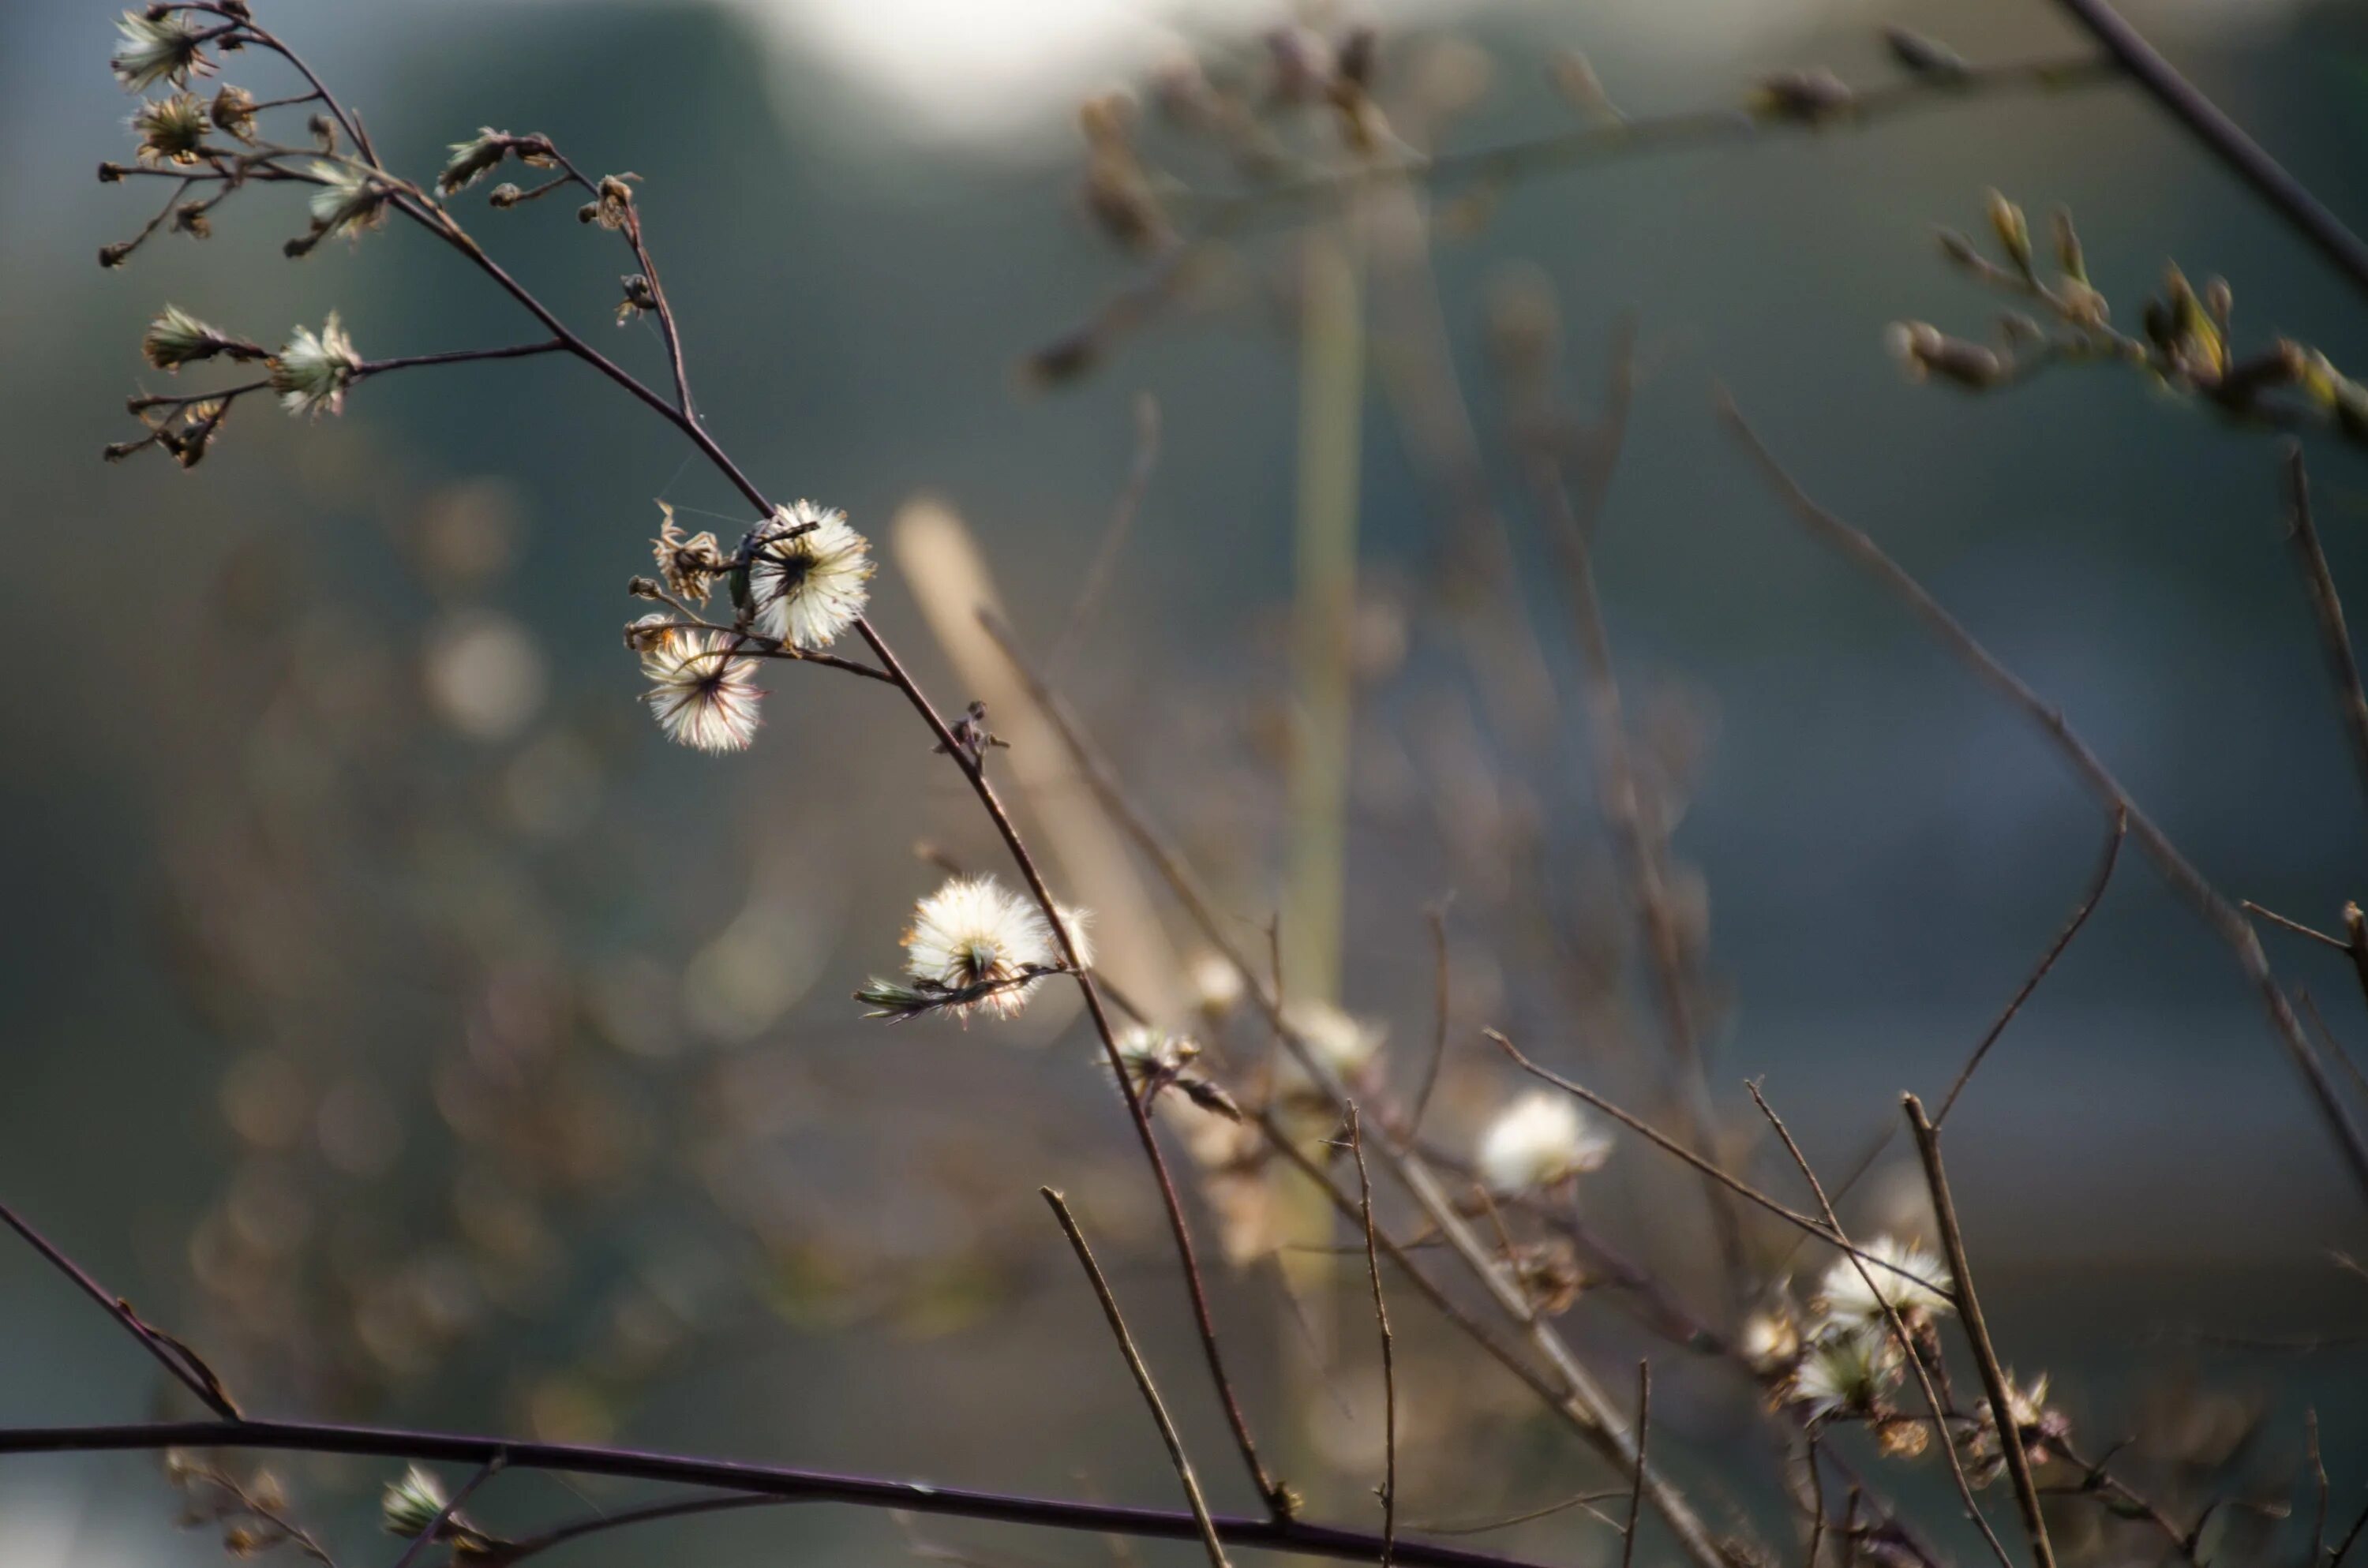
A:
x: 2244, y: 158
x: 1134, y: 1364
x: 2224, y: 919
x: 1636, y: 1488
x: 176, y: 1358
x: 1622, y: 801
x: 1940, y: 1430
x: 742, y: 1482
x: 411, y: 202
x: 1389, y: 1351
x: 2326, y: 610
x: 1580, y: 1400
x: 1977, y: 1332
x: 1435, y: 918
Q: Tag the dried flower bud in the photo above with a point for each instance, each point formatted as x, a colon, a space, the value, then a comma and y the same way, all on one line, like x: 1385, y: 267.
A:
x: 232, y: 112
x: 1924, y: 350
x: 613, y: 208
x: 471, y: 159
x: 2068, y: 254
x: 115, y: 254
x: 323, y: 131
x: 110, y: 174
x: 2013, y: 230
x: 1803, y: 97
x: 1958, y: 247
x: 1924, y: 58
x: 505, y: 196
x: 176, y: 338
x: 644, y: 588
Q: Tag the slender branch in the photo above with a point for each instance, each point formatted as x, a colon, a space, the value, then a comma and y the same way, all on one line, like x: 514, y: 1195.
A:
x: 775, y: 1482
x: 1436, y: 917
x: 1636, y: 1490
x: 2289, y: 924
x: 1620, y: 797
x: 169, y: 1353
x: 1584, y: 1501
x: 2047, y: 962
x: 460, y: 357
x: 1104, y: 566
x: 2326, y: 610
x: 1389, y: 1352
x: 1977, y: 1334
x: 1222, y: 215
x: 1579, y: 1401
x: 510, y: 1553
x: 1908, y: 1352
x: 1134, y: 1363
x: 2225, y: 138
x: 2224, y: 919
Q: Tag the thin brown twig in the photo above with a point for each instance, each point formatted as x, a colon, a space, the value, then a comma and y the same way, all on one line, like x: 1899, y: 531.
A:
x: 2297, y: 926
x: 1134, y: 1364
x: 1572, y: 527
x: 1899, y: 1331
x: 1636, y: 1489
x: 2326, y: 609
x: 1104, y: 566
x: 1579, y: 1401
x: 1584, y: 1502
x: 2334, y: 1045
x: 170, y: 1352
x: 1389, y: 1352
x: 2047, y: 961
x: 1435, y: 916
x: 2224, y: 919
x: 2317, y: 1463
x: 1977, y: 1332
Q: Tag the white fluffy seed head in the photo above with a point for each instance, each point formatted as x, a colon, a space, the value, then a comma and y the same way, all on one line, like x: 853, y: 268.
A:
x: 810, y: 587
x: 311, y: 374
x: 1855, y: 1290
x: 703, y: 695
x: 1845, y: 1370
x: 1539, y: 1140
x: 975, y: 932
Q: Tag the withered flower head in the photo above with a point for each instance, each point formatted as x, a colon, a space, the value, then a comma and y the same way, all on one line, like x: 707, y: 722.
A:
x: 171, y: 130
x: 152, y: 49
x: 312, y: 372
x: 349, y: 200
x: 1845, y: 1370
x: 176, y: 338
x: 233, y: 111
x: 689, y: 564
x: 472, y: 158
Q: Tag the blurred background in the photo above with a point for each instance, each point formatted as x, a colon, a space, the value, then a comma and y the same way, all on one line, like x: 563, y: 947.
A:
x: 395, y: 1016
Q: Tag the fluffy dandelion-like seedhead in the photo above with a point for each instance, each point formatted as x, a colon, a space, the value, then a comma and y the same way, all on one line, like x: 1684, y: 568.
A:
x: 702, y: 690
x: 978, y: 941
x: 1347, y: 1045
x: 472, y: 158
x: 1539, y: 1140
x: 171, y: 130
x: 1845, y: 1370
x: 312, y: 372
x: 411, y: 1502
x: 176, y: 338
x: 1855, y: 1290
x: 809, y: 576
x: 347, y: 200
x: 1770, y: 1339
x: 152, y: 48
